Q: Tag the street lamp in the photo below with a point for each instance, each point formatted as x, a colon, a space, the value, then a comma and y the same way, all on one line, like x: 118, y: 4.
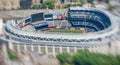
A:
x: 47, y: 8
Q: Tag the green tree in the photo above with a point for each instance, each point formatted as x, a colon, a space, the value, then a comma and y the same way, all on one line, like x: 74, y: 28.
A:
x: 118, y: 58
x: 37, y: 6
x: 90, y: 1
x: 65, y: 58
x: 107, y: 1
x: 12, y: 55
x: 67, y: 6
x: 110, y: 7
x: 81, y: 2
x: 43, y: 6
x: 49, y: 4
x: 84, y: 57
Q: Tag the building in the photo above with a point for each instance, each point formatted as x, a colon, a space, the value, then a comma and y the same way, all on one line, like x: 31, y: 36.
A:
x: 99, y: 40
x: 25, y: 4
x: 9, y: 4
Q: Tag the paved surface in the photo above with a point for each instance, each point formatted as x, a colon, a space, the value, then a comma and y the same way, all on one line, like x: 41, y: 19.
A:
x: 23, y: 13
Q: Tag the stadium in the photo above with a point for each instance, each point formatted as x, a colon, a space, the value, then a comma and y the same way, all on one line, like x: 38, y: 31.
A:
x: 53, y: 33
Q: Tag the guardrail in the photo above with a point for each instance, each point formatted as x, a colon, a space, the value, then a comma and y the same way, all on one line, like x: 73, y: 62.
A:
x: 32, y: 41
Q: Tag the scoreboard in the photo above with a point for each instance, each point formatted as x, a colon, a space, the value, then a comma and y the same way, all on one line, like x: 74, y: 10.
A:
x: 37, y: 17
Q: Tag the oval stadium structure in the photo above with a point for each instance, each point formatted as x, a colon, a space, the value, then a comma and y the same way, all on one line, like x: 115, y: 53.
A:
x: 82, y: 28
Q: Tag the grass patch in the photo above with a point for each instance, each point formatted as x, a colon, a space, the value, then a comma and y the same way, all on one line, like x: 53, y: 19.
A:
x: 66, y: 31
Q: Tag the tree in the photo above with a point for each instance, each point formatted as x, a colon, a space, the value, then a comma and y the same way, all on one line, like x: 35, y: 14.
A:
x: 81, y: 2
x: 84, y: 57
x: 37, y: 6
x: 12, y: 55
x: 90, y: 1
x: 49, y: 4
x: 107, y: 1
x: 65, y: 58
x: 110, y: 7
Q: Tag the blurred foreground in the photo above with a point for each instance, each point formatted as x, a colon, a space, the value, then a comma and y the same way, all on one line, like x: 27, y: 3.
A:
x: 26, y: 59
x: 82, y: 57
x: 88, y: 58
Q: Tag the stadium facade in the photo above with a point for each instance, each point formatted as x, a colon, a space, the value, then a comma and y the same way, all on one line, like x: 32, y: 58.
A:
x: 99, y: 25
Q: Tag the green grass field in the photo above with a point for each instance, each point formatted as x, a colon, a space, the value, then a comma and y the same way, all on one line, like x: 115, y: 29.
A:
x: 66, y: 31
